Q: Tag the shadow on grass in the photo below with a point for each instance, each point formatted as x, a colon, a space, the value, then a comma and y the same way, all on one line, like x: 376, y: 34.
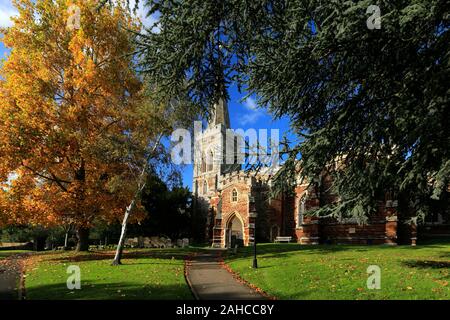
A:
x: 434, y: 241
x: 278, y: 250
x: 427, y: 264
x: 170, y: 254
x: 109, y: 291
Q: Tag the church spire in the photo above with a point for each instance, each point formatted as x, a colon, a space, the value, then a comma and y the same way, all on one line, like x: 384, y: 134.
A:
x: 220, y: 114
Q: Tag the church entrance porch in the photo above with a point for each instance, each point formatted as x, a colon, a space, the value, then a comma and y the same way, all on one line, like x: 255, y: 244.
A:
x: 234, y: 232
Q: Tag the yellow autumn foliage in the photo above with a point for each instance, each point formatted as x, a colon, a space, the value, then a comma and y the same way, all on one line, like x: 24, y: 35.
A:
x: 68, y: 129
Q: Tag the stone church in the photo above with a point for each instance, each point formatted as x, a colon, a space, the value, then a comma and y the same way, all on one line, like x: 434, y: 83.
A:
x: 237, y: 205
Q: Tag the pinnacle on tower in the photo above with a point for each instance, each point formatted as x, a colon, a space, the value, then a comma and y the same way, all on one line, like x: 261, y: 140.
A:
x: 220, y: 114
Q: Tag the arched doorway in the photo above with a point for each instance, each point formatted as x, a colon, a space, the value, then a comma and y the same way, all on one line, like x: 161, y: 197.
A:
x: 234, y: 231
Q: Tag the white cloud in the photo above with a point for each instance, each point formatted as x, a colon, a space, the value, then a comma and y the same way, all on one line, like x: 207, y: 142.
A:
x: 249, y: 118
x: 250, y: 104
x: 6, y: 12
x: 253, y: 112
x: 150, y: 21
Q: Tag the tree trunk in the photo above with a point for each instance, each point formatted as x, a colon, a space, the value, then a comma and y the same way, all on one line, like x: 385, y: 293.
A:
x: 141, y: 186
x: 66, y: 240
x: 128, y: 211
x: 123, y: 234
x: 83, y: 239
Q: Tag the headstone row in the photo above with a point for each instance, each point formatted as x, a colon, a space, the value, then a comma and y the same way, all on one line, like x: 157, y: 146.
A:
x: 155, y: 242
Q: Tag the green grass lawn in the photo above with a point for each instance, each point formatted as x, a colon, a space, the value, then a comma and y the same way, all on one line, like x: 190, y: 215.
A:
x: 145, y: 274
x: 292, y: 271
x: 6, y: 253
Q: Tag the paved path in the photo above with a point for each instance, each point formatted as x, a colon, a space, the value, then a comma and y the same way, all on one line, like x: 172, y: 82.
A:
x: 9, y: 279
x: 210, y: 281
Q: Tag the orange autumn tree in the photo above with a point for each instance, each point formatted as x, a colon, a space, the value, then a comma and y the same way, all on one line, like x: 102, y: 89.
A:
x: 70, y: 135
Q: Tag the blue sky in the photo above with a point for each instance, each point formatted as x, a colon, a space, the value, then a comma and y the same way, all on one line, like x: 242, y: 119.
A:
x: 243, y: 114
x: 2, y: 50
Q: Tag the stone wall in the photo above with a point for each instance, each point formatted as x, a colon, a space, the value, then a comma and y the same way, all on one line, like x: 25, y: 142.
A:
x: 281, y: 217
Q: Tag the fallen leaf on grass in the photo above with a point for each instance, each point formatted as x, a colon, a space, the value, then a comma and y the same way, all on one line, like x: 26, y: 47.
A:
x: 442, y: 282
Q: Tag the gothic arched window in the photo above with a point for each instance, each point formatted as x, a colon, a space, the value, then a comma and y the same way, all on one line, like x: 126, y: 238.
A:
x: 301, y: 212
x: 234, y: 195
x: 210, y: 161
x: 205, y: 187
x: 196, y: 188
x: 236, y: 149
x: 203, y: 166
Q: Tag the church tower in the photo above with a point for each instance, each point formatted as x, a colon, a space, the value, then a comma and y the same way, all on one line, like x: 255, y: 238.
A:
x: 212, y: 148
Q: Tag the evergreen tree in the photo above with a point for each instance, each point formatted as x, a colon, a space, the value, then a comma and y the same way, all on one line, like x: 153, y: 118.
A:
x: 370, y: 104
